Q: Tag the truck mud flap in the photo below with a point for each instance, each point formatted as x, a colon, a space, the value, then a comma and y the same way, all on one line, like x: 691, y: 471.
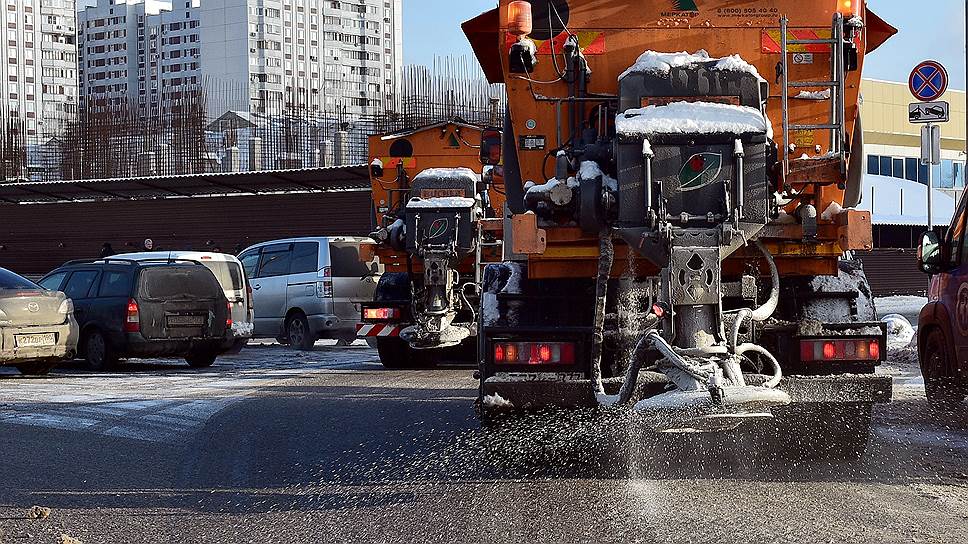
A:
x: 504, y: 396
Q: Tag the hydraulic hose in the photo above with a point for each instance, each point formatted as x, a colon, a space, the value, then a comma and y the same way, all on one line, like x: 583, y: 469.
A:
x: 777, y: 371
x: 605, y: 260
x: 765, y: 311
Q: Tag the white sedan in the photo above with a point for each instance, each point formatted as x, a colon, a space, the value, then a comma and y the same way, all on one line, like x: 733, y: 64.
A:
x: 37, y: 327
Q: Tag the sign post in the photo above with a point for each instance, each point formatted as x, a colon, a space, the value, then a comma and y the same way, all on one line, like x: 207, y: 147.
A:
x: 928, y: 82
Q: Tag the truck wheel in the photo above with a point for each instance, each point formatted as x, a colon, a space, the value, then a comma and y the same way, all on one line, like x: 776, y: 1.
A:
x: 394, y: 353
x: 201, y: 359
x: 98, y: 353
x: 299, y: 334
x: 934, y: 362
x: 35, y: 369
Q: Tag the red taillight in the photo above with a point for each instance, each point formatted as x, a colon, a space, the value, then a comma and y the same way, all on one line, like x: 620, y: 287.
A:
x: 847, y: 349
x: 132, y: 321
x: 829, y: 350
x: 534, y: 353
x: 228, y: 316
x: 381, y: 313
x: 544, y: 353
x: 324, y: 287
x: 874, y: 349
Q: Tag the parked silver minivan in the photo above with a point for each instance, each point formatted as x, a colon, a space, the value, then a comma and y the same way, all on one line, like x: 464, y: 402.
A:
x: 307, y: 289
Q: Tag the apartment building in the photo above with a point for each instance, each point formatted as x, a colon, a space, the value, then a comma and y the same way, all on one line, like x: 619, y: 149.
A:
x: 259, y: 56
x: 41, y: 79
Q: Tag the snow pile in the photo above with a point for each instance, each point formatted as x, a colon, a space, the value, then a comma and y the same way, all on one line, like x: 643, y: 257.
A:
x: 894, y: 201
x: 497, y: 401
x: 441, y: 202
x: 899, y: 331
x: 832, y: 211
x: 242, y: 328
x: 448, y: 173
x: 591, y: 170
x: 662, y: 63
x: 692, y: 118
x: 814, y: 95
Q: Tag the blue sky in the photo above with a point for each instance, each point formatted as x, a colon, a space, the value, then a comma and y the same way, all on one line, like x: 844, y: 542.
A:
x: 432, y: 27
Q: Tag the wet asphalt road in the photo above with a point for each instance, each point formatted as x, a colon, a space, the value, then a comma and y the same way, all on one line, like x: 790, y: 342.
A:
x: 276, y: 446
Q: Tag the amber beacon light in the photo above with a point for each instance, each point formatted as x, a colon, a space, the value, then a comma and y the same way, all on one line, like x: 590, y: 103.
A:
x: 519, y: 18
x: 850, y: 7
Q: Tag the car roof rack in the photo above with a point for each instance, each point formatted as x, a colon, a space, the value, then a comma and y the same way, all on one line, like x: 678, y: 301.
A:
x: 122, y: 260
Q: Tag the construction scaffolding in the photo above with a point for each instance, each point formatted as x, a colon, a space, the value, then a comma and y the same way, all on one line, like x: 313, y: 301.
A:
x: 218, y: 126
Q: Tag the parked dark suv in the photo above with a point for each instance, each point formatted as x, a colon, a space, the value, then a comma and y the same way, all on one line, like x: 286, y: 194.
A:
x: 127, y: 308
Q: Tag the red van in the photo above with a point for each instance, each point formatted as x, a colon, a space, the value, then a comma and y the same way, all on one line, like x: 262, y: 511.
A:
x: 943, y: 323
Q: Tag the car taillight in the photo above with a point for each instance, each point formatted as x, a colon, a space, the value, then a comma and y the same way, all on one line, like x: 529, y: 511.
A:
x: 847, y: 349
x: 132, y: 321
x: 228, y: 316
x: 248, y: 296
x: 324, y: 288
x: 534, y: 353
x: 381, y: 313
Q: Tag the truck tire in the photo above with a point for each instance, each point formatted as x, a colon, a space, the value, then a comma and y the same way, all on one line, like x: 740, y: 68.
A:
x: 934, y: 365
x: 394, y: 353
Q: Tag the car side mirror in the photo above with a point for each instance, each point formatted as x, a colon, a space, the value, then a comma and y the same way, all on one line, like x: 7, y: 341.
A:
x: 931, y: 253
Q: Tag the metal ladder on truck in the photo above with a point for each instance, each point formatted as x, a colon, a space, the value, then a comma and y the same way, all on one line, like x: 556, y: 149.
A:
x: 837, y: 122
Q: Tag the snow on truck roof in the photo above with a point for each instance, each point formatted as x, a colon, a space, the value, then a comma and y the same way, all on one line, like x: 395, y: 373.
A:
x: 692, y: 118
x: 653, y: 61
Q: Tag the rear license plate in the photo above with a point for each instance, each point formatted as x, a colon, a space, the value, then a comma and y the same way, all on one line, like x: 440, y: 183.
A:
x: 186, y: 320
x: 35, y: 340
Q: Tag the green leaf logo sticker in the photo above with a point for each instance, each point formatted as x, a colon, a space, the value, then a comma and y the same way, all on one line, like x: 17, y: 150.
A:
x: 438, y: 228
x: 700, y: 170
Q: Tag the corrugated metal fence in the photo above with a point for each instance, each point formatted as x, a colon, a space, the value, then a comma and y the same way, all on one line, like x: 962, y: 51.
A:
x: 35, y: 239
x: 894, y: 272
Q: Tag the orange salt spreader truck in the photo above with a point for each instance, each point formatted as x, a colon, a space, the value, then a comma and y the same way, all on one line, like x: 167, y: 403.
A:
x: 438, y: 198
x: 682, y: 176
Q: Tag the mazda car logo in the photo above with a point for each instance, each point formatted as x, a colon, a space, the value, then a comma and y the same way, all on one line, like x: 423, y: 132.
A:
x: 33, y: 307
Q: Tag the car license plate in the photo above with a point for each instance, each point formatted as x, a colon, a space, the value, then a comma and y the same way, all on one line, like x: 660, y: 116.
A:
x: 186, y: 320
x: 35, y: 340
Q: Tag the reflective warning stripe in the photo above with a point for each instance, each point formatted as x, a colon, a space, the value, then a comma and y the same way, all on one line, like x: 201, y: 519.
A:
x: 390, y: 163
x: 771, y: 41
x: 377, y: 329
x: 590, y: 42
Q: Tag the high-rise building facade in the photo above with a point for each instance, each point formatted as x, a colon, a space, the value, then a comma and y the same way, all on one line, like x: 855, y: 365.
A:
x: 41, y: 80
x: 58, y: 66
x: 260, y: 56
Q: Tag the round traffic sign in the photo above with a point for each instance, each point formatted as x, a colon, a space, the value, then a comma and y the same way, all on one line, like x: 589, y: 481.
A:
x: 928, y: 81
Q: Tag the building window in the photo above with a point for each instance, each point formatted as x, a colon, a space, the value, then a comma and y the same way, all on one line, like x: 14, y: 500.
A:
x: 886, y: 166
x: 873, y: 165
x: 911, y: 169
x: 899, y: 168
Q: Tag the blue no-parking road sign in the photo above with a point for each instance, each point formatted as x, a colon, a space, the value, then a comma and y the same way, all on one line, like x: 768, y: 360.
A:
x: 928, y: 81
